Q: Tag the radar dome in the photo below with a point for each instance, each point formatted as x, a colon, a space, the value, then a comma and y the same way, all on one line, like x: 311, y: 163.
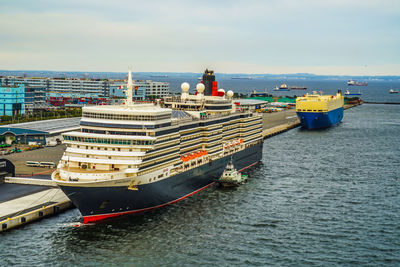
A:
x: 200, y: 88
x: 229, y: 93
x: 185, y: 87
x: 221, y: 90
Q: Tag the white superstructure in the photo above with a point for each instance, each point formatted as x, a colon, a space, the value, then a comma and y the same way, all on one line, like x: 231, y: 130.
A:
x: 142, y: 143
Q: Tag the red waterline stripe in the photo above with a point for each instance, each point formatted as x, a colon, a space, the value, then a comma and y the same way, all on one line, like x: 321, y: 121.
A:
x: 94, y: 218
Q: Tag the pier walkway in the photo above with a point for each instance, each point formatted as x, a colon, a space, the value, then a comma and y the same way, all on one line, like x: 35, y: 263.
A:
x: 24, y: 200
x: 32, y: 206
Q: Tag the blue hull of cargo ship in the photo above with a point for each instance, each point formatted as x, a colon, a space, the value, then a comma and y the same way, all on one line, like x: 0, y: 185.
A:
x: 98, y: 203
x: 315, y: 120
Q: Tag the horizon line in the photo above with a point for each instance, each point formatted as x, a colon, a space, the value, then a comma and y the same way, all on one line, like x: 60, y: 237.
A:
x: 225, y: 73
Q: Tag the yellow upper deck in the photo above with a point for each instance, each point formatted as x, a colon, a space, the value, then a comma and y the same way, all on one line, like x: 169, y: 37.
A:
x: 319, y: 103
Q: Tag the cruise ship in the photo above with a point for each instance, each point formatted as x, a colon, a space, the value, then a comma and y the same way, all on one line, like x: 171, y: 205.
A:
x: 319, y: 111
x: 140, y: 156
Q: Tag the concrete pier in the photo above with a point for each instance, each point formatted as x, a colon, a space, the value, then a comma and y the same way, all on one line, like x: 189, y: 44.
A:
x: 32, y: 207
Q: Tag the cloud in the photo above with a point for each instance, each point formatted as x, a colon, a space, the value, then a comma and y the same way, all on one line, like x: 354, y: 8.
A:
x: 178, y: 35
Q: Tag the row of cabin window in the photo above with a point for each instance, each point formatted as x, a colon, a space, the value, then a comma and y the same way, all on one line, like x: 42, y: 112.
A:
x: 108, y: 141
x: 126, y: 117
x: 114, y: 132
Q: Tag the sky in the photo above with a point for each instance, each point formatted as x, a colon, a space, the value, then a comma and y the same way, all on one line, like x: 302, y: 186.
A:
x: 332, y: 37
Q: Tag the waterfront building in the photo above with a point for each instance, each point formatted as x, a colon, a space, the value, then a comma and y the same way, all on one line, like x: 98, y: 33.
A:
x: 142, y: 89
x: 82, y: 87
x: 35, y: 99
x: 117, y: 90
x: 251, y: 104
x: 156, y: 89
x: 12, y: 100
x: 95, y: 87
x: 41, y: 132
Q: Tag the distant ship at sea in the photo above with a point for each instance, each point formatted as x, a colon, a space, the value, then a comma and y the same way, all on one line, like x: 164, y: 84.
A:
x: 298, y: 88
x: 349, y: 93
x: 282, y: 87
x: 354, y: 83
x: 319, y: 111
x: 159, y: 76
x: 256, y: 94
x: 242, y: 78
x: 393, y: 91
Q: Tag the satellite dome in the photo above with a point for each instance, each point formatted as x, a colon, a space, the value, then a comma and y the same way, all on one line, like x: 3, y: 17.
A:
x: 200, y: 88
x: 221, y: 90
x: 229, y: 93
x: 185, y: 87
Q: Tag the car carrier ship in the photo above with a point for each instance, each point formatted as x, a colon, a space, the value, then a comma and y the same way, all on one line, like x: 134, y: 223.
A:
x: 319, y: 111
x: 139, y: 156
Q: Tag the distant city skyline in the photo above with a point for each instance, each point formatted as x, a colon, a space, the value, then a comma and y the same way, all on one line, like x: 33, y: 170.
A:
x: 332, y: 37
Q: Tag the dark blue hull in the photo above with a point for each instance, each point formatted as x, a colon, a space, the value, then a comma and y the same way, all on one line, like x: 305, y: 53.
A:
x: 97, y: 203
x: 315, y: 120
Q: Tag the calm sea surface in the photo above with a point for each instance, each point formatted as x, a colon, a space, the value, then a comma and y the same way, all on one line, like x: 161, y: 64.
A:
x: 375, y: 91
x: 329, y: 197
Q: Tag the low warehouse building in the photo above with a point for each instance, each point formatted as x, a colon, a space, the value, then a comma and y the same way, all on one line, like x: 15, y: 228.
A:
x: 42, y: 132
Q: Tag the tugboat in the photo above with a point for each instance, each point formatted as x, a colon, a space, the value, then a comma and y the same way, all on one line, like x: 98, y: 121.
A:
x: 231, y: 177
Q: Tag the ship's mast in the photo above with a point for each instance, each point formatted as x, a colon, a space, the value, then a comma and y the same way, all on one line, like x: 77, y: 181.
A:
x: 129, y: 86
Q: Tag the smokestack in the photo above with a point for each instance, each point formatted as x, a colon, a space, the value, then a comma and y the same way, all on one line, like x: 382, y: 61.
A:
x: 208, y: 80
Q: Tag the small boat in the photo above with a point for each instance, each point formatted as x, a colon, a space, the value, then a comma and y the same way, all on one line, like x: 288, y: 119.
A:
x: 349, y: 93
x: 231, y: 177
x: 393, y: 91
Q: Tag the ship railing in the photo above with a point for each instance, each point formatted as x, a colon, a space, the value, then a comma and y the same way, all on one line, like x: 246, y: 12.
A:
x: 180, y: 121
x: 196, y: 101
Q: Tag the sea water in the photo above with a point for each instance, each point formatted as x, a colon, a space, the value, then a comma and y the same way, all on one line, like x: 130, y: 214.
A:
x: 328, y: 197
